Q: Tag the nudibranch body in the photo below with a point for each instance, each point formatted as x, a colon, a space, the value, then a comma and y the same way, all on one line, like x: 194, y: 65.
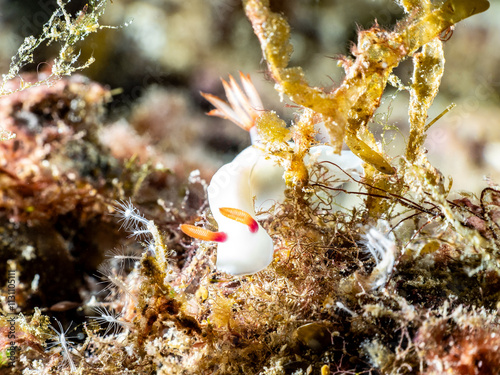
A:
x: 251, y: 181
x: 248, y: 248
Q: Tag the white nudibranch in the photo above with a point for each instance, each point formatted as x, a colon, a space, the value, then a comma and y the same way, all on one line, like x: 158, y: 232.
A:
x: 251, y: 181
x: 244, y: 247
x: 248, y: 248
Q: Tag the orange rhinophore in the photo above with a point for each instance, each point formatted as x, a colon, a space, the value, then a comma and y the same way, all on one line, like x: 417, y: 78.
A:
x: 203, y: 234
x: 241, y: 217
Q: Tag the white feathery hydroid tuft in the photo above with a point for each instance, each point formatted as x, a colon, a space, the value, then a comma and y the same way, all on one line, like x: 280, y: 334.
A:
x: 111, y: 319
x: 132, y: 220
x: 140, y: 227
x: 115, y: 278
x: 122, y: 257
x: 382, y: 247
x: 61, y: 339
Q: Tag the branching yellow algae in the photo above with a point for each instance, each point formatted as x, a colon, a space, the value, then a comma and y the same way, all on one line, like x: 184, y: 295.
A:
x: 349, y: 107
x: 427, y: 73
x: 418, y: 6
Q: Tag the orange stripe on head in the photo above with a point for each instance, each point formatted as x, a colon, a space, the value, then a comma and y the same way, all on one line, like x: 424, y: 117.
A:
x: 202, y: 233
x: 241, y: 217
